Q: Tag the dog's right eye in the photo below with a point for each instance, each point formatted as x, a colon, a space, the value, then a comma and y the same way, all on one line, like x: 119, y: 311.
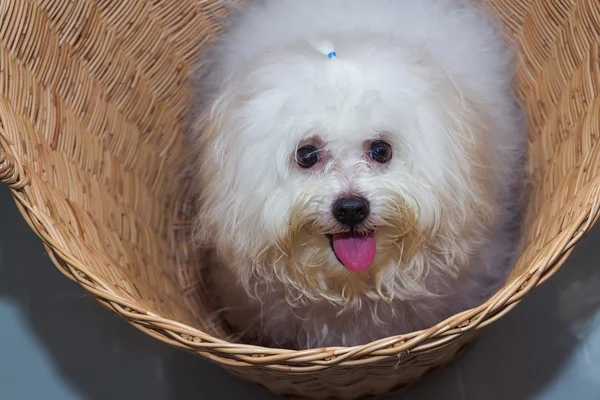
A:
x: 307, y: 156
x: 381, y: 151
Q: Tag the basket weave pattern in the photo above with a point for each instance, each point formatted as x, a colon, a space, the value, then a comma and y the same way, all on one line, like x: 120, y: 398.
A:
x: 93, y: 108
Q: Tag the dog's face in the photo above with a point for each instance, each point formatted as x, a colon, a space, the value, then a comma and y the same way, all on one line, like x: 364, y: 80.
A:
x: 360, y: 175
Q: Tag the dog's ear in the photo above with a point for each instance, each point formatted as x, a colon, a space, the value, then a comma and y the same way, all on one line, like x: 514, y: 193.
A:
x: 207, y: 125
x: 464, y: 124
x: 204, y: 134
x: 231, y: 171
x: 455, y: 127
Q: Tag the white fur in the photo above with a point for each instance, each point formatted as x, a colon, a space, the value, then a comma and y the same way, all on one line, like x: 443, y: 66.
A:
x: 433, y: 78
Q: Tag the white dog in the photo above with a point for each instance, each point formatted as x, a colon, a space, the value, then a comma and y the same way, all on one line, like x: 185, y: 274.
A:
x: 358, y: 162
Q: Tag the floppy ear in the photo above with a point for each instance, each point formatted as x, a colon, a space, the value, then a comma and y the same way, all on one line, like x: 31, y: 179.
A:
x: 213, y: 172
x: 235, y: 170
x: 471, y: 163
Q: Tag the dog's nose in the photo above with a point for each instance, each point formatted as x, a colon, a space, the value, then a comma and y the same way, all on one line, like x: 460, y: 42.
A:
x: 351, y: 211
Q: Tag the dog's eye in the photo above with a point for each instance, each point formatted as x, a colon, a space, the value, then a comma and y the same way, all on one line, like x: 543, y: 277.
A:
x: 307, y: 156
x: 380, y: 151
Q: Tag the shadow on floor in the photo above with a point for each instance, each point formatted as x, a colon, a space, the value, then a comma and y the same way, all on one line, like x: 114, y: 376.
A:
x: 100, y: 356
x: 97, y: 353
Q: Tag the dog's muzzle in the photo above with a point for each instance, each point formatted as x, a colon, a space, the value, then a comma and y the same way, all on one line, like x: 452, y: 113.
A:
x: 353, y: 249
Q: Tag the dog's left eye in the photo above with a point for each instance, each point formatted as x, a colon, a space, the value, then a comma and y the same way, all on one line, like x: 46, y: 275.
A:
x: 380, y: 151
x: 307, y: 156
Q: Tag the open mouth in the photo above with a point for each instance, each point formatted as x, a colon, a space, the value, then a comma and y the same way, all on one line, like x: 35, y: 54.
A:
x: 354, y: 250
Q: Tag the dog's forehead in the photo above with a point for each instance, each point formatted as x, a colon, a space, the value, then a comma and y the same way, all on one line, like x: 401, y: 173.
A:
x: 342, y: 111
x: 342, y: 119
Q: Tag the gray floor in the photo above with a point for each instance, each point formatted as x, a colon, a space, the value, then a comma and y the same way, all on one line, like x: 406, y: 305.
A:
x: 57, y: 343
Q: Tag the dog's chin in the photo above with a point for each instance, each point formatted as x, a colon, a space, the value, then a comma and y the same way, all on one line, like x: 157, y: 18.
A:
x: 319, y: 271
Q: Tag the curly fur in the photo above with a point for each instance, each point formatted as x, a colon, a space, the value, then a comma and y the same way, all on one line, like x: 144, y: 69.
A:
x: 432, y: 78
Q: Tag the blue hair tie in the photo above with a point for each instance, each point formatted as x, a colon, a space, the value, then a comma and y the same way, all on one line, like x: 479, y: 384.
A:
x: 331, y: 55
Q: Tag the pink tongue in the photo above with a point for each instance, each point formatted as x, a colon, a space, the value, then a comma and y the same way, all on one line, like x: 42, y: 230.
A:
x: 355, y: 252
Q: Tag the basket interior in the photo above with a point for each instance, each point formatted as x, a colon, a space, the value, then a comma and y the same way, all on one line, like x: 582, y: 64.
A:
x: 93, y: 114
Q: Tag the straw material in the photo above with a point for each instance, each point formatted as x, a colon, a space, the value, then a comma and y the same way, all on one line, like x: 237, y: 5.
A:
x: 93, y: 98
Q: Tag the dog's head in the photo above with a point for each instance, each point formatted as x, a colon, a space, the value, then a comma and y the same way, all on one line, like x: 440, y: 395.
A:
x: 360, y: 174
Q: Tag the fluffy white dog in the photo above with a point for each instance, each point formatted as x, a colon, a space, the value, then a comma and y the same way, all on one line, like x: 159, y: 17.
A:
x: 358, y: 162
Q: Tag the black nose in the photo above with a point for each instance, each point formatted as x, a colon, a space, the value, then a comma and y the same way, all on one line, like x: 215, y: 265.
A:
x: 351, y: 211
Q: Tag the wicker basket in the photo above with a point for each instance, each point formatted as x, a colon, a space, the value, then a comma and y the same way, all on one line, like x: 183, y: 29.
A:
x: 93, y: 97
